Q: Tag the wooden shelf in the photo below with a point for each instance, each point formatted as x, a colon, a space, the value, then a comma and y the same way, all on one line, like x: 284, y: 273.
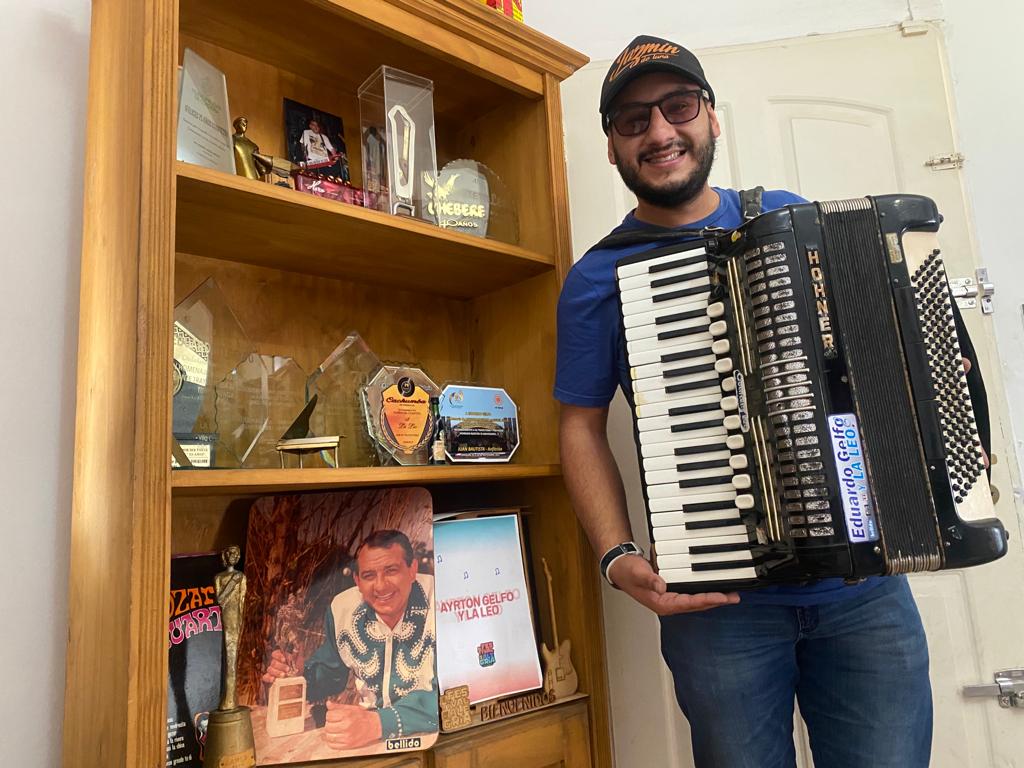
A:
x: 218, y: 482
x: 238, y: 219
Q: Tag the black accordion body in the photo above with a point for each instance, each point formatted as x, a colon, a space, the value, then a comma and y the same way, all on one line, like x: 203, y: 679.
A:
x: 800, y: 404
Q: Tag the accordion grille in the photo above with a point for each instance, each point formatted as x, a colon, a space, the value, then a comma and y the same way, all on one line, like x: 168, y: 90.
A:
x: 881, y: 391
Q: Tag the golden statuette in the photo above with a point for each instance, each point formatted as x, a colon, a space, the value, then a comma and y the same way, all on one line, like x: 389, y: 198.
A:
x: 229, y: 737
x: 246, y: 163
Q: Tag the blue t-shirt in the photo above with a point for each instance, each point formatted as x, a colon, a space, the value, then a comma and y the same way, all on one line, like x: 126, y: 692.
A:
x: 592, y: 361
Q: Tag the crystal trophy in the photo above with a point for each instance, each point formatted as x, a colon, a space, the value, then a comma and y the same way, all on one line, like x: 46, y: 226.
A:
x: 396, y: 121
x: 211, y: 349
x: 398, y: 409
x: 469, y: 197
x: 286, y: 388
x: 338, y: 385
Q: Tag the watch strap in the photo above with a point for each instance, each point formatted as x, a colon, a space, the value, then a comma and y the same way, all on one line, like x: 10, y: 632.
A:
x: 613, y: 554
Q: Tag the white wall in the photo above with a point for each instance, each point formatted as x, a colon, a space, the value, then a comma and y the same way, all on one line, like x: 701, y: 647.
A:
x: 43, y: 67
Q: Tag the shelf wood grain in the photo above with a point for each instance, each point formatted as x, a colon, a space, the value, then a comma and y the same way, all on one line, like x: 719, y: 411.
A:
x: 237, y: 219
x: 236, y: 482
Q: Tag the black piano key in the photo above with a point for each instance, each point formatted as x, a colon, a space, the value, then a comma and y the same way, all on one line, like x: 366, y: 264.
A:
x: 722, y: 566
x: 683, y: 410
x: 704, y: 524
x: 683, y: 332
x: 677, y: 372
x: 713, y: 464
x: 687, y: 355
x: 695, y: 449
x: 675, y: 316
x: 714, y: 549
x: 702, y: 384
x: 663, y: 281
x: 710, y: 506
x: 698, y: 482
x: 696, y: 425
x: 684, y: 262
x: 681, y: 293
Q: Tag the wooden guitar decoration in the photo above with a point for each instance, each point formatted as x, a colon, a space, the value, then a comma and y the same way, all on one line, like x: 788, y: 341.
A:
x: 559, y: 676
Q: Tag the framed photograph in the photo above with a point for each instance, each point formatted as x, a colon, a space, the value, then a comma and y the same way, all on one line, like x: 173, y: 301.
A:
x: 316, y: 140
x: 337, y: 654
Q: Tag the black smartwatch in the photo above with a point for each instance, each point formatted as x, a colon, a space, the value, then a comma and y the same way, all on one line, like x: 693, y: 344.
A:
x: 613, y: 554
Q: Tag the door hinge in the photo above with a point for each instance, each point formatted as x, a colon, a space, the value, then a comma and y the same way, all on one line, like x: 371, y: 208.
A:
x: 948, y: 162
x: 968, y: 291
x: 1008, y: 688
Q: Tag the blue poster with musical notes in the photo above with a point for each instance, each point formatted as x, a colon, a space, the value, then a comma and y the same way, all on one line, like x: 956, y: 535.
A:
x: 485, y: 634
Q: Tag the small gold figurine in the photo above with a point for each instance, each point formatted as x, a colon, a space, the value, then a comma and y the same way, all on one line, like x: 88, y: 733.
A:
x: 229, y: 736
x: 246, y: 162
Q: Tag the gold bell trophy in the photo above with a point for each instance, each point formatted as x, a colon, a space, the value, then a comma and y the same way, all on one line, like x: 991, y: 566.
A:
x: 229, y: 739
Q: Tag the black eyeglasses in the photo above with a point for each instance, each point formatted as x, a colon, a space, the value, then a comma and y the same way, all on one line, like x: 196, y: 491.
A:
x: 634, y: 118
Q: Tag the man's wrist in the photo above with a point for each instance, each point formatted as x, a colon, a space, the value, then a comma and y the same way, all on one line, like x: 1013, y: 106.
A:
x: 614, y: 554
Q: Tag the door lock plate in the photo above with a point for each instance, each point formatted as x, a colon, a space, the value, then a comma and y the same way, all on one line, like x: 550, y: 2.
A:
x: 1008, y: 688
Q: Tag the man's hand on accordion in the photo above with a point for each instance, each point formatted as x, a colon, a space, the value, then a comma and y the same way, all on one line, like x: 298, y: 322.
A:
x: 635, y: 576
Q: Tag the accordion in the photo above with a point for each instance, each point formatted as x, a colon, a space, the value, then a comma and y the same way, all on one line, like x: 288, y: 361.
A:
x: 800, y: 404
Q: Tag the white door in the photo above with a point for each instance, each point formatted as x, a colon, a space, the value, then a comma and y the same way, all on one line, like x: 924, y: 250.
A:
x: 827, y: 117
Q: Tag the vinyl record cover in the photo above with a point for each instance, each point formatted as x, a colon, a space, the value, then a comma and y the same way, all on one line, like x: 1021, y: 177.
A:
x: 485, y: 628
x: 338, y: 643
x: 194, y: 640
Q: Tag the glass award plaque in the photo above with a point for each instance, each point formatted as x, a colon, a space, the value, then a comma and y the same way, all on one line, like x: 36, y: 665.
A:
x: 469, y: 197
x: 204, y: 124
x: 338, y: 384
x: 398, y: 408
x: 286, y: 398
x: 480, y: 424
x: 210, y: 347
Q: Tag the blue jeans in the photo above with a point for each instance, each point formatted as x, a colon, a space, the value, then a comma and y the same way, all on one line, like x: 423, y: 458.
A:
x: 858, y: 667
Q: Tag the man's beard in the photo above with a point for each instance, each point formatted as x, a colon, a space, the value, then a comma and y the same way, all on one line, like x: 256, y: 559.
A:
x: 676, y: 193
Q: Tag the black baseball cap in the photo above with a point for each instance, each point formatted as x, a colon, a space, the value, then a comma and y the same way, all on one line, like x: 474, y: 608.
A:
x: 648, y: 54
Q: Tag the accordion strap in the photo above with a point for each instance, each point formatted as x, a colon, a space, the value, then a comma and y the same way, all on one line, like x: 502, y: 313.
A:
x: 750, y: 202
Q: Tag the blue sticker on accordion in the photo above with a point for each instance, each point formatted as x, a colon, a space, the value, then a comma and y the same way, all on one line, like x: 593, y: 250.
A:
x: 848, y: 450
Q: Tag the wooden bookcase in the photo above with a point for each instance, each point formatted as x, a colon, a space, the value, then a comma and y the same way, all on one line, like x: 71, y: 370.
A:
x: 300, y: 272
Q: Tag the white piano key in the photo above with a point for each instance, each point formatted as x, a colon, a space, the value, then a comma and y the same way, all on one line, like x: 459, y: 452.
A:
x: 678, y: 503
x: 680, y: 519
x: 636, y: 373
x: 647, y: 310
x: 710, y: 397
x: 673, y: 537
x: 652, y: 329
x: 714, y: 442
x: 646, y: 345
x: 644, y: 280
x: 686, y: 495
x: 670, y: 461
x: 644, y: 266
x: 738, y: 461
x: 658, y: 423
x: 710, y: 539
x: 690, y: 576
x: 684, y: 561
x: 728, y: 384
x: 663, y: 435
x: 724, y: 365
x: 674, y: 475
x: 654, y: 383
x: 643, y: 292
x: 676, y: 346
